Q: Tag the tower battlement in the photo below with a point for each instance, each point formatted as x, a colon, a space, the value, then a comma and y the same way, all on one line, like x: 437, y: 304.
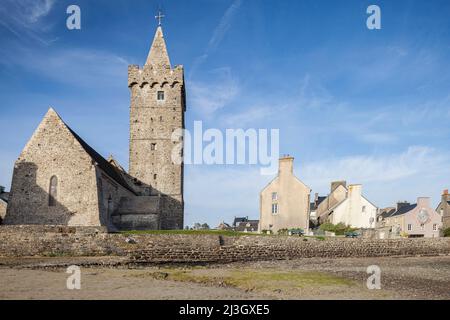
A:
x: 153, y: 76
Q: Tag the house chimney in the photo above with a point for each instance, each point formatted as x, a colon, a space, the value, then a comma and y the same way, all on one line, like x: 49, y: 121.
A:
x: 445, y: 196
x: 423, y: 202
x: 316, y: 198
x: 286, y: 166
x: 336, y: 184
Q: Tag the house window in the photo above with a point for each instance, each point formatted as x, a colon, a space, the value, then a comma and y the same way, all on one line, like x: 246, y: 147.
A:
x: 364, y: 209
x: 153, y: 147
x: 160, y: 95
x: 53, y: 191
x: 409, y: 227
x: 275, y: 208
x: 435, y: 227
x: 274, y: 196
x: 422, y: 226
x: 155, y: 176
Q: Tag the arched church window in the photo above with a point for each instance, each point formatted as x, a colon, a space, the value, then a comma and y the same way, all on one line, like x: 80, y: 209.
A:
x: 53, y: 191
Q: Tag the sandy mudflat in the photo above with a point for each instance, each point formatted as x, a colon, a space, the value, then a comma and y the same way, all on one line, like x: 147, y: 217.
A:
x: 109, y: 278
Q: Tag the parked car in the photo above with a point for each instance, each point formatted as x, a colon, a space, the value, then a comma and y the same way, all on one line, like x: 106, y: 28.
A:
x: 352, y: 234
x: 296, y: 232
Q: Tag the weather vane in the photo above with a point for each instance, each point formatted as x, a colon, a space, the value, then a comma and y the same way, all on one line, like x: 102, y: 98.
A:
x: 159, y: 17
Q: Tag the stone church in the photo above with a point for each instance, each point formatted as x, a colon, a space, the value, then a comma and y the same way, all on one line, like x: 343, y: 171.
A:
x: 59, y: 179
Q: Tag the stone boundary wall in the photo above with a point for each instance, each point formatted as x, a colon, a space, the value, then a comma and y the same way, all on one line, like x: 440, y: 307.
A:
x: 26, y: 241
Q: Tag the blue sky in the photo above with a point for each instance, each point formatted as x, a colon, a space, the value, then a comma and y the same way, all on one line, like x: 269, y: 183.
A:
x: 369, y: 107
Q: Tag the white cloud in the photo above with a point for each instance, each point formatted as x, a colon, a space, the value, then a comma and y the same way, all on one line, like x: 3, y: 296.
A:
x: 415, y: 160
x: 217, y: 36
x: 209, y: 97
x: 82, y: 67
x: 418, y: 171
x: 249, y: 116
x: 25, y: 18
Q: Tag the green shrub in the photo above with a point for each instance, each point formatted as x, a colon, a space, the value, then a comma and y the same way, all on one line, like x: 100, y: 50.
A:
x: 283, y: 232
x: 447, y: 233
x: 339, y: 229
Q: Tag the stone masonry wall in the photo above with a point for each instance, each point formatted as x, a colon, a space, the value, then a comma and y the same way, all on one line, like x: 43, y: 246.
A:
x: 22, y: 241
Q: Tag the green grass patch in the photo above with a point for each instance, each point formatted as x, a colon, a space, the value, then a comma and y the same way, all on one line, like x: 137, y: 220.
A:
x: 259, y: 280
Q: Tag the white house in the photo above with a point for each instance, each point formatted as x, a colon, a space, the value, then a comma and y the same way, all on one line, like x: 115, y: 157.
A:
x: 352, y: 209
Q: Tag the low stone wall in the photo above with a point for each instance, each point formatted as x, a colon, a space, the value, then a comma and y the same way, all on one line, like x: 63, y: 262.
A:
x: 23, y: 241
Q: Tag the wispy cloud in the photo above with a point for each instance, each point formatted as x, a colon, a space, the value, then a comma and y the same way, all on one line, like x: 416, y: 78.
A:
x: 218, y: 35
x: 24, y: 18
x: 415, y: 160
x: 209, y: 97
x: 81, y: 67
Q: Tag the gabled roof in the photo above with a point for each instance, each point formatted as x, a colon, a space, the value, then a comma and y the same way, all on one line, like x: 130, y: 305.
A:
x: 252, y: 225
x: 238, y: 220
x: 403, y: 209
x: 102, y: 163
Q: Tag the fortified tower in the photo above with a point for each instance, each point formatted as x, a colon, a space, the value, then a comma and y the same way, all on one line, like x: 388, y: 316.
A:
x: 158, y: 104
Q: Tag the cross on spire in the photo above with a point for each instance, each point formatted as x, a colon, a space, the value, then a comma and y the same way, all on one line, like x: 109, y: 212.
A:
x: 159, y: 17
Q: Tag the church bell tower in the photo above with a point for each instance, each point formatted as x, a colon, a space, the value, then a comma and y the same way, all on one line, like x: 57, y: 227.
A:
x: 157, y: 109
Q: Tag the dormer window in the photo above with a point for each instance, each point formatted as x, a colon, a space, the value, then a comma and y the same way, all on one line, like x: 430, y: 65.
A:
x: 160, y: 96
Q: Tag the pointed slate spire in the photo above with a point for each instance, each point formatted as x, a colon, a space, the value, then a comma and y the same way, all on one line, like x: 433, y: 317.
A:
x: 158, y: 56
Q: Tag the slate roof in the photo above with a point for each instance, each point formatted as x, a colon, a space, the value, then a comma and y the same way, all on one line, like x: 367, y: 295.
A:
x: 103, y: 164
x: 403, y: 209
x: 388, y: 213
x: 320, y: 200
x: 238, y: 220
x: 253, y: 226
x: 4, y: 196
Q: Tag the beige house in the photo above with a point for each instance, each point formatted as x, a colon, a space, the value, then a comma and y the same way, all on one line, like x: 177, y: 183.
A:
x: 444, y: 210
x: 412, y: 220
x: 347, y: 205
x: 284, y: 202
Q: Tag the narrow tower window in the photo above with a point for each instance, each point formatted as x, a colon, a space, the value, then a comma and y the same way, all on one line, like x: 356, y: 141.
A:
x: 153, y: 147
x: 160, y: 95
x: 53, y: 191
